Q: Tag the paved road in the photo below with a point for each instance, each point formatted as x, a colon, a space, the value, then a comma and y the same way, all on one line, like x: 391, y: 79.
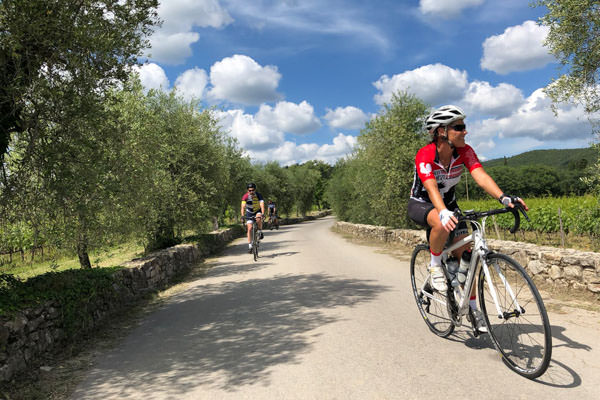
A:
x: 318, y: 317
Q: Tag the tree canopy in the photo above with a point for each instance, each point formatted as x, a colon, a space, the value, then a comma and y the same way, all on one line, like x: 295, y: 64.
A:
x: 373, y: 185
x: 59, y: 56
x: 574, y: 38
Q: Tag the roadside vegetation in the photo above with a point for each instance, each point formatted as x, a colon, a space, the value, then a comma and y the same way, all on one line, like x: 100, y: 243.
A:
x: 95, y: 169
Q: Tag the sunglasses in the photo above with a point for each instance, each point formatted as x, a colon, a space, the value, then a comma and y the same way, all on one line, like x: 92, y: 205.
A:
x: 458, y: 127
x: 251, y: 190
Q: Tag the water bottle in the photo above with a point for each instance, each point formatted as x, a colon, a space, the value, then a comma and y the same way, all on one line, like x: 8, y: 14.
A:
x: 465, y: 263
x: 452, y: 267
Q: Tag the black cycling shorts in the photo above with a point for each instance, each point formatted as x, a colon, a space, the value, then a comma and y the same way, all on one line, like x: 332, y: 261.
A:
x: 419, y: 210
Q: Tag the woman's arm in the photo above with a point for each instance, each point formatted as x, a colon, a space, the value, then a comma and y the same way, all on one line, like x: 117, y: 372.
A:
x: 489, y: 185
x: 486, y: 182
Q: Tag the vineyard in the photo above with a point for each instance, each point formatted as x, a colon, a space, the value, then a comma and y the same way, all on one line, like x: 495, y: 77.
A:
x: 579, y: 216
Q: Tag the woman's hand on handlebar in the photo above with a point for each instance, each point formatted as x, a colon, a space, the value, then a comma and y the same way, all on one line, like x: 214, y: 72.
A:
x: 448, y: 220
x: 509, y: 201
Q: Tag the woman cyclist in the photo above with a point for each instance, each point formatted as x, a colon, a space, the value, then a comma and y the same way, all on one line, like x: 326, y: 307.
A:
x: 438, y: 168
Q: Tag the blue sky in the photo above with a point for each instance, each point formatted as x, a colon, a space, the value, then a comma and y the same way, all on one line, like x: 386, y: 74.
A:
x: 295, y: 80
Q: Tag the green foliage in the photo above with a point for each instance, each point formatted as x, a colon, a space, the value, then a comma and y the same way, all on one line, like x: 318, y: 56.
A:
x: 373, y: 185
x: 181, y: 163
x: 531, y: 181
x: 47, y: 70
x: 74, y: 292
x: 574, y: 39
x: 580, y: 215
x: 563, y: 158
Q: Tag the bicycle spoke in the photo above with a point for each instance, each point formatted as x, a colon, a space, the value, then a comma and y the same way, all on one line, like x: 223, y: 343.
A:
x: 431, y: 303
x: 523, y: 335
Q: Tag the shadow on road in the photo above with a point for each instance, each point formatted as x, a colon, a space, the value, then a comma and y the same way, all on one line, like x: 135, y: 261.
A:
x: 558, y: 374
x: 228, y: 334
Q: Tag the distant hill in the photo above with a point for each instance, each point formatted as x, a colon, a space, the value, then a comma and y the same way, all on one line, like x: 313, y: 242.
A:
x: 553, y: 158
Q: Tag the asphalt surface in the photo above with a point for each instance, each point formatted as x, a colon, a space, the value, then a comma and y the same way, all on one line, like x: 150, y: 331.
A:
x: 319, y: 317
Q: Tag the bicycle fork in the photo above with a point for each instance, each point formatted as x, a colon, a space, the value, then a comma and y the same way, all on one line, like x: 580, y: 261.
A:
x: 501, y: 315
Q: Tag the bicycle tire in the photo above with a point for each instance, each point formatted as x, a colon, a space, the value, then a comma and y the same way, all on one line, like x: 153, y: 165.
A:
x: 433, y: 309
x: 523, y: 337
x: 255, y: 242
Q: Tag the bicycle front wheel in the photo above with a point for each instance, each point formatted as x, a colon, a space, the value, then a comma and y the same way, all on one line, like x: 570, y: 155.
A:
x: 431, y: 303
x: 255, y: 242
x: 517, y: 321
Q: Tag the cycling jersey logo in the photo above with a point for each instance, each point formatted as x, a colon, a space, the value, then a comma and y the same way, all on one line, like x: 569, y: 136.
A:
x: 425, y: 168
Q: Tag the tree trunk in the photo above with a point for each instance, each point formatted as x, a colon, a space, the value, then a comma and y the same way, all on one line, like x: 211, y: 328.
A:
x: 82, y: 252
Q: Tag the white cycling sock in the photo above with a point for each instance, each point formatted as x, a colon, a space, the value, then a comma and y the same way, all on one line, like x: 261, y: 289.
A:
x: 249, y: 245
x: 436, y: 260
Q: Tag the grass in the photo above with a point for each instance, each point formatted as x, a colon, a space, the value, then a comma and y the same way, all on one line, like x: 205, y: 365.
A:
x: 113, y: 256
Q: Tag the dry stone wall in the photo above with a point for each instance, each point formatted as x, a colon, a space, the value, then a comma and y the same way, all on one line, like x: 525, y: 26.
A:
x: 563, y: 267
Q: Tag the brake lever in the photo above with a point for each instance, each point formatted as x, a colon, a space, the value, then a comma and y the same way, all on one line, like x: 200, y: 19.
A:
x: 522, y: 209
x: 515, y: 213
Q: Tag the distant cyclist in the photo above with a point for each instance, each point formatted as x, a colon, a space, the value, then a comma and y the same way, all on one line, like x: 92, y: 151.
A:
x: 253, y: 206
x: 438, y: 168
x: 272, y: 208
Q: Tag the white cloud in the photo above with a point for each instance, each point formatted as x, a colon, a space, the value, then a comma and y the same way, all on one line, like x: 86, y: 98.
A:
x: 346, y: 118
x: 289, y: 117
x: 446, y: 8
x: 263, y: 143
x: 250, y: 134
x: 498, y: 101
x: 519, y: 48
x: 535, y: 119
x: 342, y: 145
x: 171, y: 44
x: 172, y: 48
x: 152, y: 76
x: 349, y: 20
x: 433, y: 83
x: 240, y: 79
x: 290, y: 153
x: 191, y: 83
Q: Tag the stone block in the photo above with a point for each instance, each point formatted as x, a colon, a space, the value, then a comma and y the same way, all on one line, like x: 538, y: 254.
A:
x: 553, y: 257
x: 521, y: 257
x: 573, y: 272
x: 590, y: 276
x: 536, y: 267
x: 556, y: 272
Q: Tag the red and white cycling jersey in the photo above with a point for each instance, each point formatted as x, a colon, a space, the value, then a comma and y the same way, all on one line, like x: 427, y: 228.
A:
x: 428, y: 166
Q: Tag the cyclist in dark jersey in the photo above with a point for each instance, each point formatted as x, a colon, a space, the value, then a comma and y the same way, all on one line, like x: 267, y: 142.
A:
x: 438, y: 168
x: 253, y: 206
x: 272, y: 208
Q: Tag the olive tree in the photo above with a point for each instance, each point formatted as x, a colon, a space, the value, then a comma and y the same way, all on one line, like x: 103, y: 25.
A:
x: 64, y: 54
x: 574, y: 38
x: 386, y: 150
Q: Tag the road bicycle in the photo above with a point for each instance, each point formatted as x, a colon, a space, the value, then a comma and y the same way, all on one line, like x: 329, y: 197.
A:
x: 255, y: 236
x: 273, y: 222
x: 513, y: 310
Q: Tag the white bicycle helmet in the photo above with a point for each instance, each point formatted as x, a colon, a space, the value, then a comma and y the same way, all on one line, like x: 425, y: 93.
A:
x: 443, y: 116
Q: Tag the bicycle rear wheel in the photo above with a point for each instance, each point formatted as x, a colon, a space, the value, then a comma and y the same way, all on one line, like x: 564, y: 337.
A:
x: 431, y: 303
x: 520, y: 330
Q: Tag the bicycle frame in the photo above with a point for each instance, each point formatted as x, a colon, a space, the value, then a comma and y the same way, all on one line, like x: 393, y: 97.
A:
x: 480, y: 251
